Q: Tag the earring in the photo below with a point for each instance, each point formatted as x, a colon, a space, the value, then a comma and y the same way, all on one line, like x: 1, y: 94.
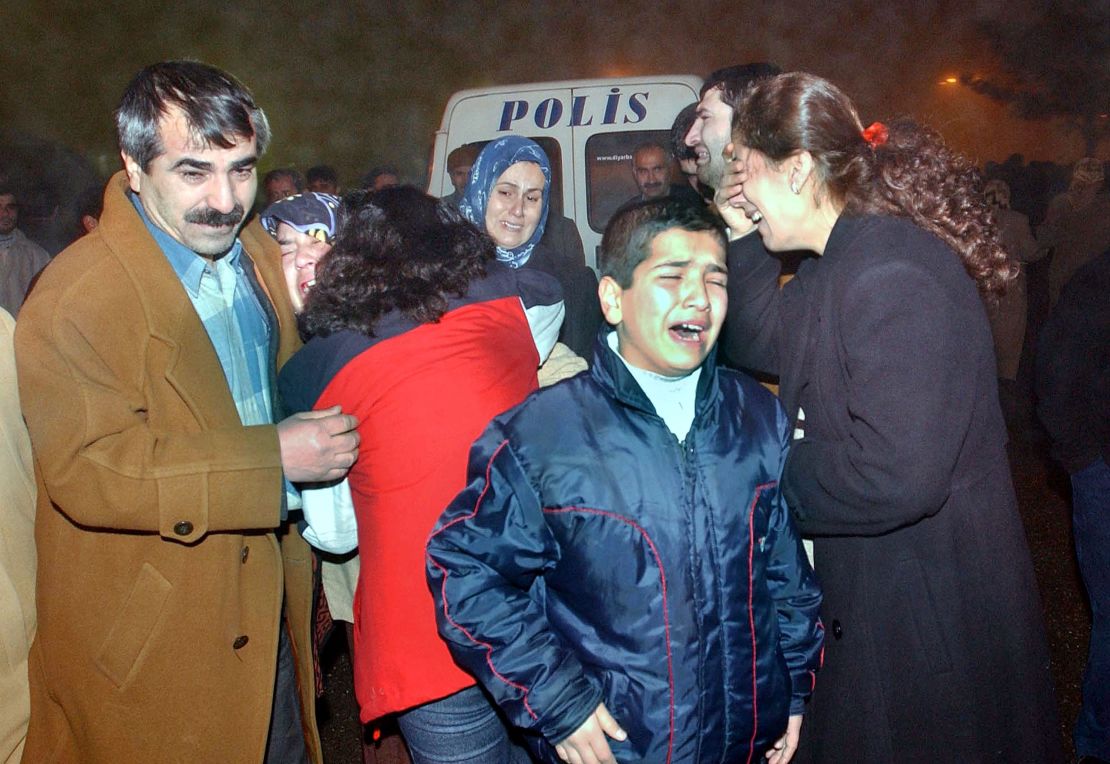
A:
x: 794, y: 186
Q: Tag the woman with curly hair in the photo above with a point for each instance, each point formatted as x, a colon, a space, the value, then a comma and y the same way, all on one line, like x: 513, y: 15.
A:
x: 935, y: 647
x: 417, y: 331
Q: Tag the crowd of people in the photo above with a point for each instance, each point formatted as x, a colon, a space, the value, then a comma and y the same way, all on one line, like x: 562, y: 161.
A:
x: 556, y: 512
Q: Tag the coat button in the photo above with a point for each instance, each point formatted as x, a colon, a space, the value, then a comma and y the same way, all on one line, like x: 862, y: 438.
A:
x: 240, y: 641
x: 183, y: 528
x: 245, y: 553
x: 837, y: 630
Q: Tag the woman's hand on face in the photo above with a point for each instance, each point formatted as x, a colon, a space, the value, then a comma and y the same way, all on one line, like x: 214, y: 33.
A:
x: 729, y: 197
x: 587, y: 744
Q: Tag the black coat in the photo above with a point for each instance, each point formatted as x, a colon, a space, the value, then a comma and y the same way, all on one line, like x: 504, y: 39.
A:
x: 936, y: 648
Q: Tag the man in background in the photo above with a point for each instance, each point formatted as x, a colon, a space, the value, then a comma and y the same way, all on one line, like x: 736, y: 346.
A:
x: 280, y: 183
x: 459, y: 162
x: 20, y: 258
x: 323, y: 179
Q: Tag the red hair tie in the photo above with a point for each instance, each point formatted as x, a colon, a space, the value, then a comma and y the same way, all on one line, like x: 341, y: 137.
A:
x: 875, y: 135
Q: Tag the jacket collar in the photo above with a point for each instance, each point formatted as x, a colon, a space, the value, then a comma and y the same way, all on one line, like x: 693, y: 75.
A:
x: 169, y: 313
x: 609, y: 371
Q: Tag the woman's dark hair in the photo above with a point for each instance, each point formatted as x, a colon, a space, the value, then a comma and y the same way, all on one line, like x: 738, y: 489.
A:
x: 903, y: 169
x: 396, y: 249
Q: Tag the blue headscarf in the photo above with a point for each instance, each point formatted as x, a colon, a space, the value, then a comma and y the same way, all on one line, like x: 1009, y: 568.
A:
x: 495, y: 158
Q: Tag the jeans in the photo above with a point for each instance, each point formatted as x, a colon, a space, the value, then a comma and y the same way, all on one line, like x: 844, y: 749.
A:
x: 285, y: 742
x: 1090, y: 491
x: 463, y: 728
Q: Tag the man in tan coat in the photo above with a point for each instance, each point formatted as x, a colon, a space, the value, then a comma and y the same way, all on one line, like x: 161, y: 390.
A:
x: 146, y: 359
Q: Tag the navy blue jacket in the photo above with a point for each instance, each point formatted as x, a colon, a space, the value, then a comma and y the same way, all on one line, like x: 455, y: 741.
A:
x: 595, y: 558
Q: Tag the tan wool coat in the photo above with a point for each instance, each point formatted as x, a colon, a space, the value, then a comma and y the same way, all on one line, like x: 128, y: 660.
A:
x: 161, y: 574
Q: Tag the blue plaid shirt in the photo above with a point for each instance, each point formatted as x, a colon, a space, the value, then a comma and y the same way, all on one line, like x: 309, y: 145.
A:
x: 237, y: 324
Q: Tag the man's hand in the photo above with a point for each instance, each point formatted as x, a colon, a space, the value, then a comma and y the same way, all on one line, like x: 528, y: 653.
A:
x: 318, y: 446
x: 786, y: 746
x: 587, y: 744
x: 730, y: 195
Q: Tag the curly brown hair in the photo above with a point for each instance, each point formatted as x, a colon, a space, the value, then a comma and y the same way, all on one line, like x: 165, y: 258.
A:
x: 395, y: 249
x: 911, y: 173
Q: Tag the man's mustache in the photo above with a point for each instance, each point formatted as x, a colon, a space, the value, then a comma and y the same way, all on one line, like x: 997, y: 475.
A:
x: 211, y: 217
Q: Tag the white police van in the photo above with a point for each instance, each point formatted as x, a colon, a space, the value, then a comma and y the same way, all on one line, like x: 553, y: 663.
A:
x: 587, y: 127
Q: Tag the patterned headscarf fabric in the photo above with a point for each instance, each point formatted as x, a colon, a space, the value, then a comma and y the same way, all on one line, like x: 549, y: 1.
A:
x: 312, y: 213
x: 495, y: 158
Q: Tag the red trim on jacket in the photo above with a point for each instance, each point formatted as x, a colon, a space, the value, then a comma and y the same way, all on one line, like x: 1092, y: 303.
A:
x: 759, y: 489
x: 663, y: 585
x: 443, y: 588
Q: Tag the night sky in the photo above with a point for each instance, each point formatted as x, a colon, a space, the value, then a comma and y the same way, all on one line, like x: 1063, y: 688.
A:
x: 358, y: 83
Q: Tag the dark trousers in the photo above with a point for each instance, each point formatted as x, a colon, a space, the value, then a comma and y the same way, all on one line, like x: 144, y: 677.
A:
x: 285, y: 743
x: 464, y: 728
x: 1090, y: 491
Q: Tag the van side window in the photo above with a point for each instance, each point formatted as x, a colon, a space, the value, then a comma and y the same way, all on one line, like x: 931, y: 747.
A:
x: 609, y: 181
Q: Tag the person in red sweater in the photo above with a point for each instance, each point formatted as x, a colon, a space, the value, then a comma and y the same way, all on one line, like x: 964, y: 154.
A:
x: 416, y: 327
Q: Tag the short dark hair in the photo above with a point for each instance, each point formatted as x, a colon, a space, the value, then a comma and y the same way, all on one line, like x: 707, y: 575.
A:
x: 7, y: 189
x: 734, y: 80
x: 396, y: 249
x: 91, y: 201
x: 682, y: 124
x: 628, y: 237
x: 322, y: 172
x: 462, y: 156
x: 384, y: 169
x: 218, y: 109
x: 284, y: 172
x: 650, y: 145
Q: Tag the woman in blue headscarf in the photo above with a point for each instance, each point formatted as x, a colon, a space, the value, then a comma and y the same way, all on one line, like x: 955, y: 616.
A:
x: 508, y: 196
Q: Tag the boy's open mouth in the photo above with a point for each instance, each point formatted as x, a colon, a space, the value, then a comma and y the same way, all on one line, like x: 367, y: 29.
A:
x: 688, y: 331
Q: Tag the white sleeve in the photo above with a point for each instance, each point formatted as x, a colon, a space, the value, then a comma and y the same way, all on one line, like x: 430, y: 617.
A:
x: 330, y: 515
x: 545, y: 321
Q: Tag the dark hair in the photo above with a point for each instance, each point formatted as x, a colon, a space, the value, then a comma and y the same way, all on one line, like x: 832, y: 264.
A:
x: 396, y: 249
x: 90, y: 201
x: 8, y: 189
x: 628, y: 236
x: 734, y: 80
x: 682, y: 124
x: 218, y: 109
x: 462, y: 156
x: 368, y: 179
x: 910, y: 173
x: 285, y: 172
x: 322, y: 172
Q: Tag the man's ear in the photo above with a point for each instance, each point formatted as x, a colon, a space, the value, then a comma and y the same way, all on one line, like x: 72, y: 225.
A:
x: 609, y: 293
x: 799, y: 168
x: 134, y: 171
